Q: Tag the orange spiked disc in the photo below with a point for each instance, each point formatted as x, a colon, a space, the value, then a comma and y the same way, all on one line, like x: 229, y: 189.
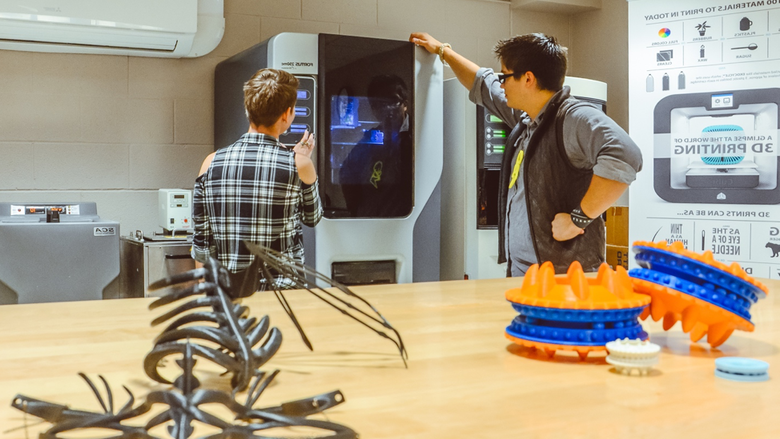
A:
x: 705, y: 258
x: 575, y: 312
x: 709, y: 297
x: 699, y: 317
x: 550, y: 348
x: 610, y: 289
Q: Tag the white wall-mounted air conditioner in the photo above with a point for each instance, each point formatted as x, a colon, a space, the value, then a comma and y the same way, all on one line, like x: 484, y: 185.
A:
x: 161, y: 28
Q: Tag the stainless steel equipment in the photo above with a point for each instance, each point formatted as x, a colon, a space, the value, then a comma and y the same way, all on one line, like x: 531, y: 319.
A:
x: 148, y: 258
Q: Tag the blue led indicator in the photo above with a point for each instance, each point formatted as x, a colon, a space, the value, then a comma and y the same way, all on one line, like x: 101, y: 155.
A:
x: 298, y: 128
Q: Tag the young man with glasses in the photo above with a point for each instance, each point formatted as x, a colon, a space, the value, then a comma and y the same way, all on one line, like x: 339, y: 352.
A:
x: 565, y: 161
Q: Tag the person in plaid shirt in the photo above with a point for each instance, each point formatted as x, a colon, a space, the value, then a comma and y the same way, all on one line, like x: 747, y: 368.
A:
x: 257, y: 189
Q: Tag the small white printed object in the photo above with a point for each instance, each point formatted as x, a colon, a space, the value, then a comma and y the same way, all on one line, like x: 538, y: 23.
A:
x: 629, y: 355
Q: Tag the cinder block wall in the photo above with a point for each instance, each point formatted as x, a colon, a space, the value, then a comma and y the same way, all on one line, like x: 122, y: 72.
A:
x: 599, y: 50
x: 598, y: 46
x: 114, y: 129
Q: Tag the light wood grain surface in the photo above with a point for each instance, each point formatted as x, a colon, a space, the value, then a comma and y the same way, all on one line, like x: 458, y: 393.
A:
x: 465, y: 380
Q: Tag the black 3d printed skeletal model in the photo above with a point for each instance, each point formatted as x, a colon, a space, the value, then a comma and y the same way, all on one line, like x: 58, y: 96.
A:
x: 184, y: 408
x: 281, y: 272
x: 236, y: 335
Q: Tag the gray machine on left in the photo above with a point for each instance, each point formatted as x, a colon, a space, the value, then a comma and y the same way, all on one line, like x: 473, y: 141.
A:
x: 57, y: 252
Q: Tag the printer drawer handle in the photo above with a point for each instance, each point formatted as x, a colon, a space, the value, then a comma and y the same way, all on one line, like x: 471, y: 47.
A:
x: 181, y: 256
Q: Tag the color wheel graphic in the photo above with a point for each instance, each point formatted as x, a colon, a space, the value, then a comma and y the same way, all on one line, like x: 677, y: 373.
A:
x: 664, y: 32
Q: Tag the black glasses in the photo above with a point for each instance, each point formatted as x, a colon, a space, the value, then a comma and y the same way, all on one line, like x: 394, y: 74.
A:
x: 502, y: 77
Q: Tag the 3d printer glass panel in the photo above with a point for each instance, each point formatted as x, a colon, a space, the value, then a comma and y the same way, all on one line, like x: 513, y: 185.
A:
x: 366, y: 102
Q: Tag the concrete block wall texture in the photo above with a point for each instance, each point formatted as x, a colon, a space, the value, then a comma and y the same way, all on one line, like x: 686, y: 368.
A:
x: 599, y: 50
x: 114, y: 129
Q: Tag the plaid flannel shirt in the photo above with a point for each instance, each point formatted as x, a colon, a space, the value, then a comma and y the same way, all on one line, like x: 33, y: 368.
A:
x: 251, y: 191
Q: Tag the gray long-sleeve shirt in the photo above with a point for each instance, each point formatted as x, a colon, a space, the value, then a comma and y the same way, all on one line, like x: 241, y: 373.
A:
x: 591, y: 139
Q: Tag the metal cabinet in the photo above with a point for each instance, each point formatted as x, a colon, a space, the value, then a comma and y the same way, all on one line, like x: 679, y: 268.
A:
x: 146, y: 259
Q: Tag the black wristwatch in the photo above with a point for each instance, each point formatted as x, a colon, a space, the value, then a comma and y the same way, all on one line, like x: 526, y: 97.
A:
x: 580, y: 219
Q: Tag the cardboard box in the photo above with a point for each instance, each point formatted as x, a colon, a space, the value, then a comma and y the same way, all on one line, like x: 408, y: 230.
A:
x: 618, y: 255
x: 617, y: 226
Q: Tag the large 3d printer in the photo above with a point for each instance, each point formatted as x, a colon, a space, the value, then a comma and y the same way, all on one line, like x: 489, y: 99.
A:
x: 379, y: 165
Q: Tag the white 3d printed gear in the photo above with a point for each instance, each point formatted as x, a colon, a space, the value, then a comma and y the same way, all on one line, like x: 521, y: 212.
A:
x: 628, y: 355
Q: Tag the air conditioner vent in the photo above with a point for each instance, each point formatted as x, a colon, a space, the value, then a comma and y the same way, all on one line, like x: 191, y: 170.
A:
x: 173, y: 28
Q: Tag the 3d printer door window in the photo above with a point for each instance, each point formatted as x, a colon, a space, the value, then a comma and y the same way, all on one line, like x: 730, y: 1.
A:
x: 366, y: 99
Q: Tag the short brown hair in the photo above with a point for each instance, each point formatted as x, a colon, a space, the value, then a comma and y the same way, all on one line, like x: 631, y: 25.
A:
x: 536, y: 53
x: 268, y: 94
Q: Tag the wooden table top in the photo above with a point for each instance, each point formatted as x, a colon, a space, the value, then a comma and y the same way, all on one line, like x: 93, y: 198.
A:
x: 465, y: 379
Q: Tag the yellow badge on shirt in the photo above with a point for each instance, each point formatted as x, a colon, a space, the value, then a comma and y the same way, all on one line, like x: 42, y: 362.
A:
x: 516, y: 169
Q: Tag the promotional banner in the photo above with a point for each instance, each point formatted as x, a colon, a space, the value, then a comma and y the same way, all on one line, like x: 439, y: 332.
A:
x: 704, y: 91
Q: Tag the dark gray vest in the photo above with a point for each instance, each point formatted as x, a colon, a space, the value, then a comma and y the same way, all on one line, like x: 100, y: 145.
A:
x: 552, y: 185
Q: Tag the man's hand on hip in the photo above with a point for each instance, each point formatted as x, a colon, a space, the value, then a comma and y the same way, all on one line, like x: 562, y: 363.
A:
x: 563, y: 229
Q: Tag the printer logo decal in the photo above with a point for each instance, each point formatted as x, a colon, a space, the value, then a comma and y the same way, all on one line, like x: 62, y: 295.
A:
x: 105, y: 231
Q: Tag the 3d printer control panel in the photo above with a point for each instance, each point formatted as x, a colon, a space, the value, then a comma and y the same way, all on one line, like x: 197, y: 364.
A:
x: 41, y: 209
x: 305, y: 108
x: 492, y: 134
x: 723, y: 100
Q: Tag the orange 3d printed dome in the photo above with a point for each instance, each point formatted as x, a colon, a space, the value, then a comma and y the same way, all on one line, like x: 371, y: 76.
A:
x: 709, y: 297
x: 575, y: 312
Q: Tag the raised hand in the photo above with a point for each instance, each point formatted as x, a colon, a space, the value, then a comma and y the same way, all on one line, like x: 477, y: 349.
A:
x: 306, y: 145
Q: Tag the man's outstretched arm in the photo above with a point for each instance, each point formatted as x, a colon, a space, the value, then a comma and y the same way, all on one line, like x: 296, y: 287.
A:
x: 465, y: 70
